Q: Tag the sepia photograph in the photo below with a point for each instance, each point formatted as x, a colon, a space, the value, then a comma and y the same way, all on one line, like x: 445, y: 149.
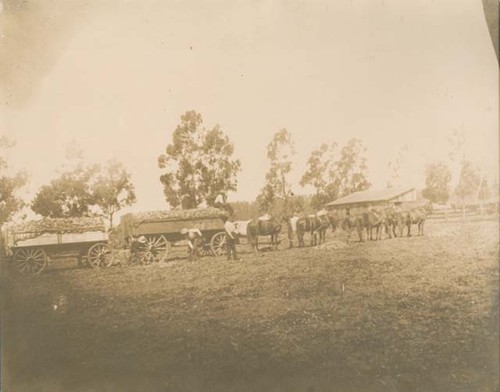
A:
x: 249, y: 195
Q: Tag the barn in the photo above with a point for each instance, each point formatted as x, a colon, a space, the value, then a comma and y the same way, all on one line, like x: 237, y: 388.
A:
x: 361, y: 201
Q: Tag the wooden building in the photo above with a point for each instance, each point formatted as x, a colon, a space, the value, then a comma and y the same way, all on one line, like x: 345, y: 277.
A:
x: 361, y: 201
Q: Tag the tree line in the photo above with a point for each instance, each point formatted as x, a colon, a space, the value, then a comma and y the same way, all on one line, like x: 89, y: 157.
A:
x: 471, y: 182
x: 198, y: 164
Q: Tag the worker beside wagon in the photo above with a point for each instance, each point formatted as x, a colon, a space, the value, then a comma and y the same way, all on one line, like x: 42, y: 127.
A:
x: 193, y: 237
x: 231, y: 235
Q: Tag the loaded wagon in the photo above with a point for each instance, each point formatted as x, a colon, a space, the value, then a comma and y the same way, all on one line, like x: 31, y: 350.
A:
x: 35, y: 243
x: 159, y: 230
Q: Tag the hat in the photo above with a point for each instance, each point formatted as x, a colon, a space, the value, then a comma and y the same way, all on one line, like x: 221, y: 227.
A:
x: 142, y: 239
x: 184, y: 231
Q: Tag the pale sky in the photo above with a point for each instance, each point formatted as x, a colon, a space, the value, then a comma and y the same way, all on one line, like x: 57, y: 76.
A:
x: 116, y: 75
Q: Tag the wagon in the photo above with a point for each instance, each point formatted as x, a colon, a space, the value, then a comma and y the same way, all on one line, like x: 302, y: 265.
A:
x: 162, y: 230
x: 35, y: 243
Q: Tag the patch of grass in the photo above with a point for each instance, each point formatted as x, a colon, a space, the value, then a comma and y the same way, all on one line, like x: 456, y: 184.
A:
x: 406, y: 314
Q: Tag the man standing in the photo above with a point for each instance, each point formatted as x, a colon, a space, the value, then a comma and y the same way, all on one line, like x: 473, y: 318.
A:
x: 193, y: 237
x: 221, y: 202
x: 230, y: 239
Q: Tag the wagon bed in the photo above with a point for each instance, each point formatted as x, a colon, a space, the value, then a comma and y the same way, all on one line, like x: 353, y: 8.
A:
x: 35, y: 243
x: 162, y: 229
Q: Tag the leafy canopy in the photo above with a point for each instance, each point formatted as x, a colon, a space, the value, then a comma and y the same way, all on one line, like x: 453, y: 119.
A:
x: 280, y: 151
x: 336, y: 173
x: 10, y: 184
x: 198, y: 164
x: 437, y: 182
x: 86, y: 190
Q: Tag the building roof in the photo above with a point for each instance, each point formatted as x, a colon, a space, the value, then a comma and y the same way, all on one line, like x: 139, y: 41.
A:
x: 371, y: 196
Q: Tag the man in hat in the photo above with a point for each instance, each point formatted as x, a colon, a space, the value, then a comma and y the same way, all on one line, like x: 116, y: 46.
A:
x: 221, y: 202
x: 137, y: 248
x: 193, y: 237
x: 230, y: 239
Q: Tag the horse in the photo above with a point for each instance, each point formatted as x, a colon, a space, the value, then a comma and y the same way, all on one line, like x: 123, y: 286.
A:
x: 260, y: 227
x: 354, y: 222
x: 327, y: 221
x: 363, y: 221
x: 417, y: 216
x: 389, y: 222
x: 375, y: 220
x: 316, y: 225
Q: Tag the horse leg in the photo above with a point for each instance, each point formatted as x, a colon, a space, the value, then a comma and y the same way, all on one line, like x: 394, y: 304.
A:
x: 255, y: 244
x: 388, y: 230
x: 409, y: 229
x: 360, y: 234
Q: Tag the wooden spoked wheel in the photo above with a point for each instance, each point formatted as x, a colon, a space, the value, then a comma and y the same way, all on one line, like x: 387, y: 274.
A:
x: 30, y: 260
x: 155, y: 249
x: 204, y: 248
x: 218, y: 244
x: 100, y: 255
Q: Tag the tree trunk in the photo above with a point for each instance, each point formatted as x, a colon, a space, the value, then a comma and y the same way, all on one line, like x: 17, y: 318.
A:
x: 478, y: 202
x: 2, y: 245
x: 285, y: 196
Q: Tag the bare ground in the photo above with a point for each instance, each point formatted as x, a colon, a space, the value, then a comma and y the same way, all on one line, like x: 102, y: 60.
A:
x: 407, y: 314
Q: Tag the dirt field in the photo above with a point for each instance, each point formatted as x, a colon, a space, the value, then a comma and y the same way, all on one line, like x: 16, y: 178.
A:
x: 408, y: 314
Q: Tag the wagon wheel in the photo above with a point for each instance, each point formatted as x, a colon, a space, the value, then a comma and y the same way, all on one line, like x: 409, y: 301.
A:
x: 204, y: 249
x: 100, y: 255
x: 30, y: 261
x: 217, y: 244
x: 155, y: 249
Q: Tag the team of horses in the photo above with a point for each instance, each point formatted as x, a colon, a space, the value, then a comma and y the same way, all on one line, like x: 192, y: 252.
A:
x: 389, y: 219
x: 374, y: 222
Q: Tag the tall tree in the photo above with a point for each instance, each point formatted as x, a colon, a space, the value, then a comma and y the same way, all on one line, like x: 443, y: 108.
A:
x: 112, y: 189
x: 437, y: 182
x: 85, y: 189
x: 320, y: 174
x: 69, y: 195
x: 10, y: 184
x: 280, y: 151
x: 336, y: 173
x: 395, y: 167
x: 469, y: 183
x: 456, y: 154
x: 198, y: 164
x: 351, y: 171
